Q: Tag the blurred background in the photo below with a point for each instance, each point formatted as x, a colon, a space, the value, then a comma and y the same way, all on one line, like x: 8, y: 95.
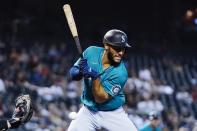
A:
x: 37, y: 50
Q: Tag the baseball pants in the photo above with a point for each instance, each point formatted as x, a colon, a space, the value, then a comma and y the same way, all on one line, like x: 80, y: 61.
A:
x: 87, y: 120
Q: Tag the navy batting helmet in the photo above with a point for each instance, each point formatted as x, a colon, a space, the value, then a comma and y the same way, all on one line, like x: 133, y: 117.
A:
x: 116, y: 38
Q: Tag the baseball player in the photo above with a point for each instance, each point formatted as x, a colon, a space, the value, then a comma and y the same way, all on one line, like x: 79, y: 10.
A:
x: 22, y: 113
x: 104, y: 76
x: 154, y: 124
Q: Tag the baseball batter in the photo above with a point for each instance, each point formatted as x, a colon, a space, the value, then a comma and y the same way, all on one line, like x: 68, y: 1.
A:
x: 104, y: 76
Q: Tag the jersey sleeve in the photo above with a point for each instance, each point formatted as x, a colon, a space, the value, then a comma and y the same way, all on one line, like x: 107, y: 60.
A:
x: 113, y: 84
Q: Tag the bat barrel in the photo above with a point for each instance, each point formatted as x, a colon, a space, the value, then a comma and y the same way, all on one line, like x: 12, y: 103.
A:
x: 72, y: 26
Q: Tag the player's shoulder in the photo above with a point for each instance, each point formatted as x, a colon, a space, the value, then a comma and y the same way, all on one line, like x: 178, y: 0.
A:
x: 122, y: 67
x: 92, y: 51
x: 94, y: 48
x: 120, y: 71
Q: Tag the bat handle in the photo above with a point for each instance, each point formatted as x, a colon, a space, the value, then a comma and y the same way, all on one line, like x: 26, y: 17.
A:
x: 81, y: 55
x: 76, y: 38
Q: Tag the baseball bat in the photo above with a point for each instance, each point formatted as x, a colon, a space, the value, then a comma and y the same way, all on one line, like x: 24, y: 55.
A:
x: 71, y: 23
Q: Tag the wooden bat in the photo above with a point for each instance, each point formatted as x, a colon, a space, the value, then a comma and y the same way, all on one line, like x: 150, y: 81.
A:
x: 72, y: 26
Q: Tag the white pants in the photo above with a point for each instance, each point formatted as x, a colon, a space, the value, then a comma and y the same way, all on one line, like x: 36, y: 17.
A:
x: 116, y: 120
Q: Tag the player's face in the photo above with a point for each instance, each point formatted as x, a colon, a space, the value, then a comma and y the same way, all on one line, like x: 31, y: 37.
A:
x: 116, y: 53
x: 155, y: 122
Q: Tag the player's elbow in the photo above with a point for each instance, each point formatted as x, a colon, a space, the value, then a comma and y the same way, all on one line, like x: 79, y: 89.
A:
x: 75, y: 73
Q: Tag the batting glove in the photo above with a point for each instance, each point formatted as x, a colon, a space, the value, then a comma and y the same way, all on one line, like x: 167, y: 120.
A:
x: 86, y: 70
x: 75, y: 73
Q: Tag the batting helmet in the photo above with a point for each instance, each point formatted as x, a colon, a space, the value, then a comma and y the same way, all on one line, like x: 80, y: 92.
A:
x: 116, y: 38
x: 153, y: 115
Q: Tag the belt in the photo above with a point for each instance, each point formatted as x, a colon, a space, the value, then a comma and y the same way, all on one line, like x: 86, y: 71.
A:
x: 95, y: 109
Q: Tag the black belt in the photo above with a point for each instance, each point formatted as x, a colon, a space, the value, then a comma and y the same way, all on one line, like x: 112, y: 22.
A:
x: 97, y: 109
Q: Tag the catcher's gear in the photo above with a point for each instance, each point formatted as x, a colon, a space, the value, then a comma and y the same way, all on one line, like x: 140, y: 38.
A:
x: 23, y: 111
x: 116, y: 38
x: 3, y: 125
x: 15, y: 123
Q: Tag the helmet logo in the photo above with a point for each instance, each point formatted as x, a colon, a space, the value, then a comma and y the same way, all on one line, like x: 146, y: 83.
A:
x: 123, y: 38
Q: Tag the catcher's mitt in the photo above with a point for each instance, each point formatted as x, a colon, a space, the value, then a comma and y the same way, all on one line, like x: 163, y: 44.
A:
x: 23, y: 109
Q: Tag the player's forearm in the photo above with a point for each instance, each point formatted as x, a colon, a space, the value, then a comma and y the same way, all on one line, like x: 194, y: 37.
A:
x: 99, y: 93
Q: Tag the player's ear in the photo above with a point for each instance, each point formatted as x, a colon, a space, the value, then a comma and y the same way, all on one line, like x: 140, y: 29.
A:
x: 106, y: 46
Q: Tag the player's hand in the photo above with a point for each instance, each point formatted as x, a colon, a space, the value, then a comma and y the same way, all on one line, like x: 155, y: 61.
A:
x: 14, y: 123
x: 75, y: 73
x: 86, y: 70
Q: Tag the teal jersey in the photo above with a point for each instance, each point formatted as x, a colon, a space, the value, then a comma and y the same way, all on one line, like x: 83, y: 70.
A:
x: 112, y: 79
x: 149, y: 128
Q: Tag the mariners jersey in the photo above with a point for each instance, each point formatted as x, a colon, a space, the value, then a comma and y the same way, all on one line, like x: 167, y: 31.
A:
x: 148, y: 127
x: 112, y: 79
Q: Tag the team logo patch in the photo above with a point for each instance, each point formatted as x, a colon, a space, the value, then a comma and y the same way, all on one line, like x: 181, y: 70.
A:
x: 116, y: 89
